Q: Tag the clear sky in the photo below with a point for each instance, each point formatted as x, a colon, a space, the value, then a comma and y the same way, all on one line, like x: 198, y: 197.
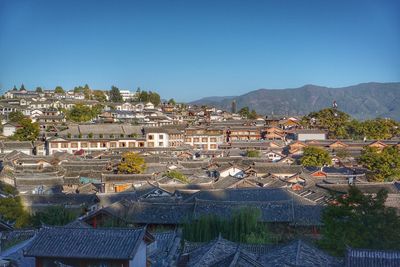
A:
x: 189, y: 49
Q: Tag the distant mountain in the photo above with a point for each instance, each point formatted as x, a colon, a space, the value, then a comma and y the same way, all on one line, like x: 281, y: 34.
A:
x: 362, y: 101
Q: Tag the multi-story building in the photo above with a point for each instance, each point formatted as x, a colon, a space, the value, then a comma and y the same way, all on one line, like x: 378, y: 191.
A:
x: 127, y: 95
x: 74, y: 145
x: 243, y: 133
x: 204, y: 138
x: 96, y: 137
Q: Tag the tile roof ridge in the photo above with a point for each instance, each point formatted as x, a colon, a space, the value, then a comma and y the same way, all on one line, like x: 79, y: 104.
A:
x: 298, y: 251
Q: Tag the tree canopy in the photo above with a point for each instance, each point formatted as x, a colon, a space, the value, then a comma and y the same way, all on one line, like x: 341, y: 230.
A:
x: 334, y: 121
x: 243, y: 227
x: 360, y: 221
x: 341, y: 125
x: 39, y: 89
x: 315, y: 157
x: 153, y: 97
x: 22, y: 88
x: 28, y: 130
x: 131, y: 163
x: 253, y: 153
x: 174, y: 174
x: 99, y: 96
x: 59, y: 90
x: 246, y: 113
x: 16, y: 116
x: 11, y: 209
x: 82, y: 113
x: 384, y: 164
x: 115, y: 95
x: 54, y: 215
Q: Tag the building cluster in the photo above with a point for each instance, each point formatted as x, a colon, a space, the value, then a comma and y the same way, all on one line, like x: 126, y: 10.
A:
x: 76, y: 166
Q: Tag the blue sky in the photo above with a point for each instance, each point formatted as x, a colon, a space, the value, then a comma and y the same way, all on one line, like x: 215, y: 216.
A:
x: 190, y: 49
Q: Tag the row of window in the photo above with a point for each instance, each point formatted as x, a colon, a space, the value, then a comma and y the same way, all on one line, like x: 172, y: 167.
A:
x: 96, y: 144
x: 203, y: 139
x: 204, y: 146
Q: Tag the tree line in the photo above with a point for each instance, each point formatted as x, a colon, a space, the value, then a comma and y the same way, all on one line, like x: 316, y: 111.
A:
x: 341, y: 125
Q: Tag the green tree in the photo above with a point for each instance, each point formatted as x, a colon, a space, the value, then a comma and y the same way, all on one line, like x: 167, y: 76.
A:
x: 131, y: 163
x: 143, y: 96
x: 172, y: 102
x: 335, y: 121
x: 115, y: 95
x: 360, y: 221
x: 8, y: 189
x: 82, y: 113
x: 154, y: 98
x: 252, y: 115
x: 174, y: 174
x: 55, y: 215
x: 27, y: 131
x: 342, y: 153
x: 59, y: 90
x: 99, y: 96
x: 11, y: 209
x: 315, y: 157
x: 16, y: 116
x: 78, y: 89
x: 243, y: 226
x: 374, y: 129
x: 39, y: 89
x: 244, y: 112
x: 87, y: 92
x: 383, y: 164
x: 253, y: 153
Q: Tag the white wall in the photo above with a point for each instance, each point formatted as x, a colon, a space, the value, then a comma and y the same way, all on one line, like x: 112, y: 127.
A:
x: 8, y: 130
x: 140, y: 258
x: 311, y: 136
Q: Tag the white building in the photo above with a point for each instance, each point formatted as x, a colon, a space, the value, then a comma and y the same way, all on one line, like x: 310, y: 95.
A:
x: 306, y: 135
x: 127, y: 95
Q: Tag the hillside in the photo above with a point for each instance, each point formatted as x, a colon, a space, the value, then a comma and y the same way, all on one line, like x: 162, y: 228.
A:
x: 362, y: 101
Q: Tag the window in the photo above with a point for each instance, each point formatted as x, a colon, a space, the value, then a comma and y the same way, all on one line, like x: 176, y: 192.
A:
x: 131, y: 144
x: 64, y: 145
x: 196, y: 139
x: 188, y: 140
x: 141, y: 144
x: 150, y: 144
x: 104, y: 145
x: 84, y: 145
x: 213, y: 139
x: 213, y: 146
x: 204, y: 147
x: 204, y: 139
x: 160, y: 143
x: 161, y: 136
x: 113, y: 144
x: 54, y: 145
x: 93, y: 145
x: 122, y: 144
x: 74, y: 145
x: 150, y: 137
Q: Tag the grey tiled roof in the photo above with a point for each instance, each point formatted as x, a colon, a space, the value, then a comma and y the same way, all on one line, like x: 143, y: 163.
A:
x: 221, y: 252
x: 298, y: 253
x: 372, y: 258
x: 62, y: 242
x: 164, y: 251
x: 151, y: 213
x: 276, y: 168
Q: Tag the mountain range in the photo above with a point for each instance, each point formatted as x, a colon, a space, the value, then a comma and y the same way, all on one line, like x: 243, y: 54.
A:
x: 362, y: 101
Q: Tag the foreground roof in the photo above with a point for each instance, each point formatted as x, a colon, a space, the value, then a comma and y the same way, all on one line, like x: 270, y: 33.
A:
x: 88, y: 243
